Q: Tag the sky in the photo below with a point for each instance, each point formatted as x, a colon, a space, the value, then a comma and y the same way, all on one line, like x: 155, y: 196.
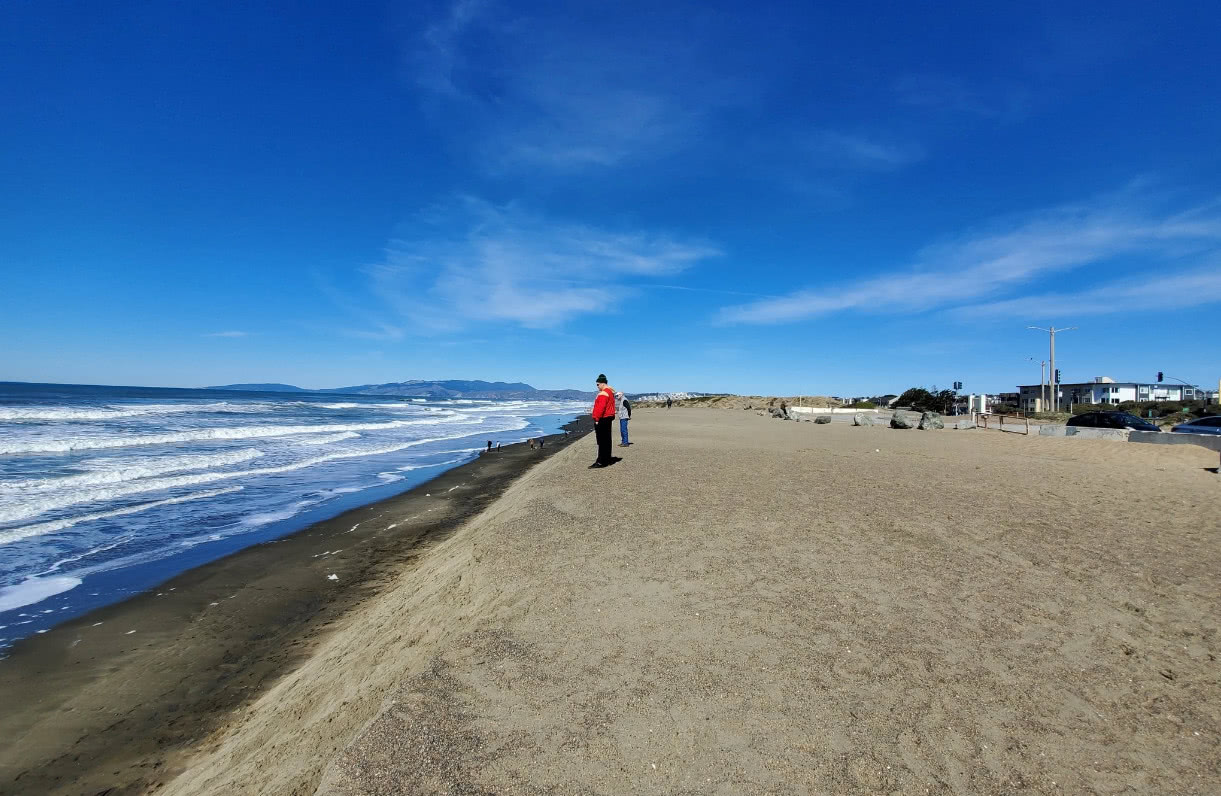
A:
x: 764, y: 198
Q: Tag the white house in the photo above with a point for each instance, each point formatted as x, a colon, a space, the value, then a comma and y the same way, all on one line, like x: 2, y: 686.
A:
x: 1105, y: 390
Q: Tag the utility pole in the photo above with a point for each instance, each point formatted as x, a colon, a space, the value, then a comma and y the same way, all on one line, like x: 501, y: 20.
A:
x: 1055, y: 397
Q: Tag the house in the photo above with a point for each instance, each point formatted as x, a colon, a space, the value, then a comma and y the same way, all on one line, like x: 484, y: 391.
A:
x: 1104, y: 390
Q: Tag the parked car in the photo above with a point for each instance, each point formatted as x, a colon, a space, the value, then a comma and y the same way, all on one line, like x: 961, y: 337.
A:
x: 1111, y: 420
x: 1201, y: 425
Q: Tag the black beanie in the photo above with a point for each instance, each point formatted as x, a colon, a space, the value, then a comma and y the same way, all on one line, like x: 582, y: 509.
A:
x: 602, y: 378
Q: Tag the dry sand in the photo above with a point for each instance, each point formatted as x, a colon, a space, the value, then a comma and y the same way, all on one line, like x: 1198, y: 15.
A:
x: 747, y: 605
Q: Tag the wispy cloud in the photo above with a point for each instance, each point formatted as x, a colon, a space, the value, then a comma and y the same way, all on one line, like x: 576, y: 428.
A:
x: 487, y: 264
x: 939, y: 92
x: 1191, y: 288
x: 530, y: 92
x: 438, y: 57
x: 227, y: 334
x: 841, y: 150
x: 1010, y: 254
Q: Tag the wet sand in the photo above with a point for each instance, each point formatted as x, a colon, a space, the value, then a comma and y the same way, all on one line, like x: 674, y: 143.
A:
x: 113, y: 701
x: 744, y: 605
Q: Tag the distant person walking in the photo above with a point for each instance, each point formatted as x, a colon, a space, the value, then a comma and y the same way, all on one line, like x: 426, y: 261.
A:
x: 669, y: 401
x: 623, y: 410
x: 603, y: 413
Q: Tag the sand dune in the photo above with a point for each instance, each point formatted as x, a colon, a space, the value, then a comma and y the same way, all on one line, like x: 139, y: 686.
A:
x: 745, y: 605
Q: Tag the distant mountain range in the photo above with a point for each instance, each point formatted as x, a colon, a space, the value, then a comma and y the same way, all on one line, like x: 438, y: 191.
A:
x: 260, y: 388
x: 416, y: 388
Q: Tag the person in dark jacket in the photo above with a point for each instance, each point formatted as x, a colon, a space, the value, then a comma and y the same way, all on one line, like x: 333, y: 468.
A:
x: 623, y: 411
x: 604, y: 414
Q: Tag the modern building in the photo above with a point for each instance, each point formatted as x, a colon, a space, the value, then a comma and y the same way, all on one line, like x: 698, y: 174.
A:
x: 1104, y: 390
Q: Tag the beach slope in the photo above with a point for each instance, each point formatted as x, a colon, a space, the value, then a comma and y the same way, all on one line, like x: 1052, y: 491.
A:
x: 748, y: 605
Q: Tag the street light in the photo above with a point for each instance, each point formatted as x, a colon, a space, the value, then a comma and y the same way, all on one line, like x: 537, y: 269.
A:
x: 1042, y: 381
x: 1055, y: 397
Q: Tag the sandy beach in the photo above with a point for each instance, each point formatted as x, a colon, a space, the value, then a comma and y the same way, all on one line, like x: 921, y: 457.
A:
x: 746, y: 605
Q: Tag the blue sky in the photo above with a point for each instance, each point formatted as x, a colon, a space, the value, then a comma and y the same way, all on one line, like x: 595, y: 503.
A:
x: 744, y: 197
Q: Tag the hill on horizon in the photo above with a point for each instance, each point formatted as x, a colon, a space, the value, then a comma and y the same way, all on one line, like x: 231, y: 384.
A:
x: 421, y: 388
x: 260, y: 388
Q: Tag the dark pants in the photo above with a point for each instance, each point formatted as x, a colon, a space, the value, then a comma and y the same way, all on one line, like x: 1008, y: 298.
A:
x: 602, y: 431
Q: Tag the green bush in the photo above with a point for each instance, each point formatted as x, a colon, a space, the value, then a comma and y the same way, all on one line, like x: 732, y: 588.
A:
x: 863, y: 405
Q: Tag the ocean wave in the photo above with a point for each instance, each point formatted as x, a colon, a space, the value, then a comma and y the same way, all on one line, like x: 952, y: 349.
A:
x: 268, y: 517
x: 43, y: 528
x: 32, y: 508
x: 117, y: 471
x: 119, y: 411
x: 117, y: 541
x: 329, y: 438
x: 68, y: 444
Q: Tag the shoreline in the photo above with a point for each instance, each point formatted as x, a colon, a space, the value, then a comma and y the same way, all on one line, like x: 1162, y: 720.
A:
x: 114, y: 699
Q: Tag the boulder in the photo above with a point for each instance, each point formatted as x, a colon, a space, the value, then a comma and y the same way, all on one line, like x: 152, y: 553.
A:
x: 776, y: 413
x: 862, y: 420
x: 822, y: 420
x: 898, y: 420
x: 930, y: 420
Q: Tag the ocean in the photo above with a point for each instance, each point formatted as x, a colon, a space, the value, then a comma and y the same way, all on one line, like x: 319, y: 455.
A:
x: 107, y: 491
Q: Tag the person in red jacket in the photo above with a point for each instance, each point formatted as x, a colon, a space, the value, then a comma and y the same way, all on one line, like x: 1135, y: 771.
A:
x: 604, y: 415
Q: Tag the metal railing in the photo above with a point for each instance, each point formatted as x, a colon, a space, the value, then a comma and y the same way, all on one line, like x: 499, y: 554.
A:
x: 1001, y: 421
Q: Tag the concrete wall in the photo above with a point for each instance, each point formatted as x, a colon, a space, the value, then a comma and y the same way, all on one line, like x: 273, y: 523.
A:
x: 1210, y: 441
x: 1117, y: 434
x: 826, y: 410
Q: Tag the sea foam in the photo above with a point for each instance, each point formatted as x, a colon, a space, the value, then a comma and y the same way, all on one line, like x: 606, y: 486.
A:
x: 27, y: 509
x: 34, y: 590
x: 115, y: 471
x: 42, y: 528
x: 68, y: 444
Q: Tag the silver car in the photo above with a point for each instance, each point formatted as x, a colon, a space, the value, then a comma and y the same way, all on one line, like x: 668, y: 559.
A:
x: 1201, y: 425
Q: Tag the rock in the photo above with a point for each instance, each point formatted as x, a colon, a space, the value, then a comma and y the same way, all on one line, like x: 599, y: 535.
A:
x: 899, y: 421
x: 930, y: 420
x: 822, y: 420
x: 862, y: 420
x: 779, y: 414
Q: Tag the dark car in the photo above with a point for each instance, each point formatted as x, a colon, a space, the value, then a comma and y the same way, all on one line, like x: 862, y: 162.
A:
x: 1201, y: 425
x: 1111, y: 420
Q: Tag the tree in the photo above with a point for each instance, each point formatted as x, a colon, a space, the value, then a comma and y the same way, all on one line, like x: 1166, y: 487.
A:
x: 923, y: 400
x: 916, y: 398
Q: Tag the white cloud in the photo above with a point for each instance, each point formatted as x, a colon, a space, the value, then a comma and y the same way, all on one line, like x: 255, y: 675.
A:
x: 944, y: 92
x: 1018, y: 251
x: 841, y: 150
x: 504, y: 265
x: 530, y: 92
x: 439, y: 55
x: 1157, y: 293
x: 227, y: 334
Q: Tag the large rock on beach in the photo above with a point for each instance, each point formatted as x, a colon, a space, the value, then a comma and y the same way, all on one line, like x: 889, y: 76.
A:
x: 898, y: 420
x: 862, y: 420
x: 823, y: 419
x: 930, y: 420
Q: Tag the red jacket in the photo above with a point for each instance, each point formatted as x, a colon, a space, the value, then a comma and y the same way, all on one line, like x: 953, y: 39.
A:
x: 604, y: 404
